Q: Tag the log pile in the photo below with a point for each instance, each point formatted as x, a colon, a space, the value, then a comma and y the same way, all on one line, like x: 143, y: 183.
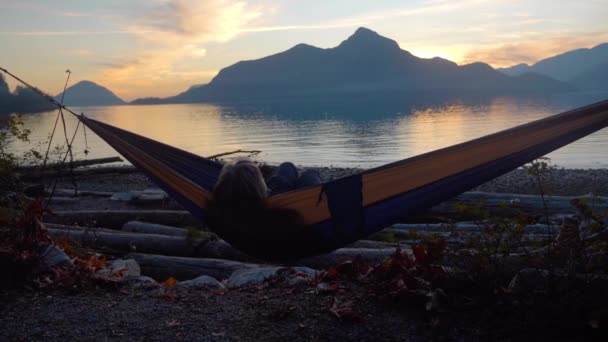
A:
x: 171, y: 243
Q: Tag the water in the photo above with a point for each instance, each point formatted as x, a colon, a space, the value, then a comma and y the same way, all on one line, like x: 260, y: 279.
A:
x: 338, y: 136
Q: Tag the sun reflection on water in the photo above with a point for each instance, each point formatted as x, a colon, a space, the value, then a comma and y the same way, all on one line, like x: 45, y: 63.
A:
x: 323, y: 139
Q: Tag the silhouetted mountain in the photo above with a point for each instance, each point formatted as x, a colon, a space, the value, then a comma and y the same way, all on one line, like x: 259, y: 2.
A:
x: 365, y: 64
x: 22, y: 101
x: 87, y: 93
x: 594, y: 78
x: 567, y: 66
x: 515, y: 70
x: 3, y: 86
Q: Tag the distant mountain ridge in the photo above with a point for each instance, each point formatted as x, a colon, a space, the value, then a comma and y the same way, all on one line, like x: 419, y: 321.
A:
x: 23, y: 100
x: 87, y: 93
x: 365, y: 63
x: 580, y: 67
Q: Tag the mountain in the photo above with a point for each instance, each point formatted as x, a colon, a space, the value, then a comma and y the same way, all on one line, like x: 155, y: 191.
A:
x: 515, y: 70
x: 87, y: 93
x: 567, y: 66
x: 593, y: 79
x: 3, y: 86
x: 23, y: 100
x: 365, y: 64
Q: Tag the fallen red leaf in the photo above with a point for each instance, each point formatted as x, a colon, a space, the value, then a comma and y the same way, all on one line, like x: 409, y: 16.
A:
x: 169, y: 283
x: 332, y: 273
x: 420, y: 254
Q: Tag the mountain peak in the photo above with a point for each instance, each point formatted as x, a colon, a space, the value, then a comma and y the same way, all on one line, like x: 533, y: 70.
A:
x: 87, y: 93
x: 367, y: 39
x: 364, y: 31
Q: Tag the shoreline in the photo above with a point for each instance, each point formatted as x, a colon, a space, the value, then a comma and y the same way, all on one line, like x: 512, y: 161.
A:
x: 564, y: 182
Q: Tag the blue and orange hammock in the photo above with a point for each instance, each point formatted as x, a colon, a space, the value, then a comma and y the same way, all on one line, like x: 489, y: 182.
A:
x: 345, y: 210
x: 342, y: 211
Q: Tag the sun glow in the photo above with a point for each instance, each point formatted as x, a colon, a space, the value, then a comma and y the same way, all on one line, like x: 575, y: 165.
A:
x: 452, y: 54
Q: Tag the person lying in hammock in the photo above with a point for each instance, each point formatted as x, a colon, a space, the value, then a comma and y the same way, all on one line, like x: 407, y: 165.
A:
x: 238, y: 211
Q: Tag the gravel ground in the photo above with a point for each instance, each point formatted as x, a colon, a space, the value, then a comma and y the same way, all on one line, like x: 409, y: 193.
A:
x: 257, y: 314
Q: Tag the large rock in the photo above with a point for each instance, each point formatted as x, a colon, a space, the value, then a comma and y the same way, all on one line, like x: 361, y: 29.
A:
x: 255, y: 276
x: 292, y: 276
x: 299, y: 276
x: 143, y: 282
x: 203, y: 281
x: 120, y: 270
x: 300, y: 270
x: 54, y: 256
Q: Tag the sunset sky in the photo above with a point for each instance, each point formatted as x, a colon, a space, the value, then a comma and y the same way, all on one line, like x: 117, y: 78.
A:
x: 160, y: 47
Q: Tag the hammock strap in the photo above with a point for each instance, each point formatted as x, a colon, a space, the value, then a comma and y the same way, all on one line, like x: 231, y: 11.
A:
x: 345, y: 203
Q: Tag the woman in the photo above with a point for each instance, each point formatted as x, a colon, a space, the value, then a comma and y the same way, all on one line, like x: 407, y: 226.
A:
x: 238, y: 212
x: 241, y: 182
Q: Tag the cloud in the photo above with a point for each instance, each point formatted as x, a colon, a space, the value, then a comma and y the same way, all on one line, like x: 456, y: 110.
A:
x: 171, y: 32
x: 78, y: 52
x: 46, y: 9
x: 532, y: 50
x: 67, y: 33
x: 428, y: 7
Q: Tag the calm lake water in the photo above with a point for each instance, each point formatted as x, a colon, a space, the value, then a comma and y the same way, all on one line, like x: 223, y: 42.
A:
x: 347, y: 137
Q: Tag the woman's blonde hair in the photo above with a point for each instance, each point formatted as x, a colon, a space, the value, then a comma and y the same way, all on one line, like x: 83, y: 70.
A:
x: 240, y: 183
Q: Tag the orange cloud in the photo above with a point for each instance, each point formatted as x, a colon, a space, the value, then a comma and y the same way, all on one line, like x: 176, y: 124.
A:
x: 532, y: 50
x: 171, y: 33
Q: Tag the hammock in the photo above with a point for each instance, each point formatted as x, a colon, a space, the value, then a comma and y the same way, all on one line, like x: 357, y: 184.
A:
x: 345, y: 210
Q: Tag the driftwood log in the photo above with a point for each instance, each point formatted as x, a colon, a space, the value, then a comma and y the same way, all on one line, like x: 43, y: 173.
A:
x: 513, y: 203
x: 94, y: 230
x: 126, y: 242
x: 372, y: 244
x: 370, y: 255
x: 81, y: 193
x: 67, y: 165
x: 148, y: 243
x: 526, y: 203
x: 33, y: 176
x: 465, y: 227
x: 153, y: 228
x: 115, y: 219
x: 161, y: 267
x: 61, y: 200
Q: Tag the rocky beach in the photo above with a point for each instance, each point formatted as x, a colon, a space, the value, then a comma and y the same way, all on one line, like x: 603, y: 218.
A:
x: 248, y: 299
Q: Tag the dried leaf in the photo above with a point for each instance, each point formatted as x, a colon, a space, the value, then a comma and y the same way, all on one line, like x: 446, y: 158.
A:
x: 344, y: 310
x: 420, y: 254
x: 331, y: 273
x: 169, y: 283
